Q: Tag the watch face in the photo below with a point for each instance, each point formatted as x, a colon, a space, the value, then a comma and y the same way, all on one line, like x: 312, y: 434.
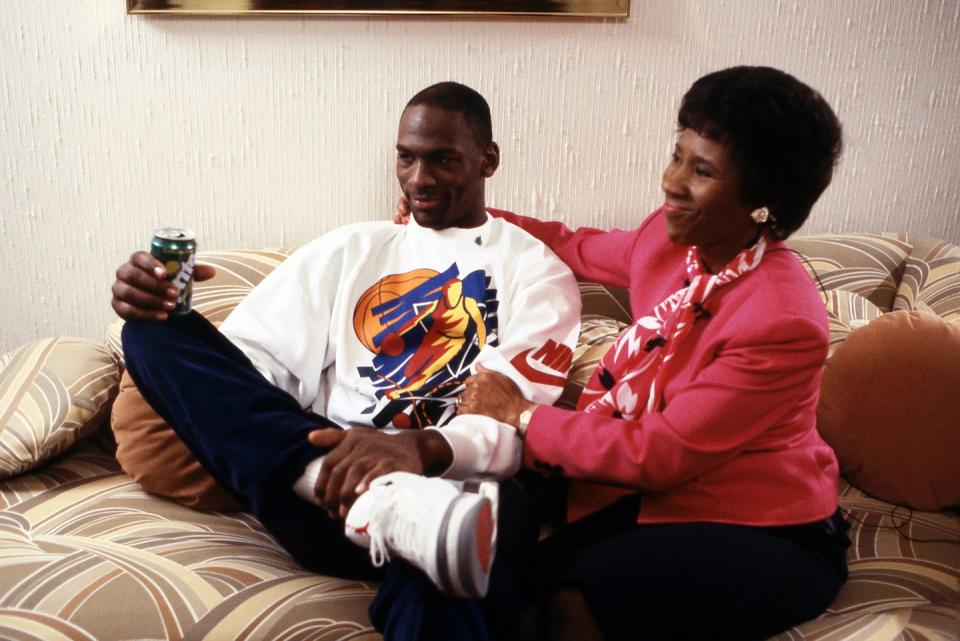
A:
x: 525, y: 417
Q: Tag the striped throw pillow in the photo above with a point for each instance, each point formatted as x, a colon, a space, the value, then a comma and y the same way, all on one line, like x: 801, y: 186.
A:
x: 52, y: 392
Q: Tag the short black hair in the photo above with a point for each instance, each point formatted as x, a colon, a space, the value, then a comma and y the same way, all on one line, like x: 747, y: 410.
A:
x: 452, y: 96
x: 783, y: 137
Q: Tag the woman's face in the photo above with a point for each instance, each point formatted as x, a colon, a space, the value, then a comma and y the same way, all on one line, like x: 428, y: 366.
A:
x: 703, y: 205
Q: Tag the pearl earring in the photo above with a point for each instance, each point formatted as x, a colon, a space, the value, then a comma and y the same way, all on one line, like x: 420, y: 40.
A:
x: 760, y: 215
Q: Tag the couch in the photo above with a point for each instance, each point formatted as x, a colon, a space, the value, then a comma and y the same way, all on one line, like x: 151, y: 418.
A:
x: 87, y: 554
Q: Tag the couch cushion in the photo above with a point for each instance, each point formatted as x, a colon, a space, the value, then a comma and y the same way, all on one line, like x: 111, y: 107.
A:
x: 81, y: 537
x: 931, y: 281
x: 890, y: 407
x: 605, y: 301
x: 867, y: 264
x: 238, y: 272
x: 597, y: 334
x: 52, y: 392
x: 605, y: 312
x: 93, y: 556
x: 903, y: 581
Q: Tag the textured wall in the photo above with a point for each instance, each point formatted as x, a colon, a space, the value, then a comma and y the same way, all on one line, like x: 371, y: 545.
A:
x: 269, y: 131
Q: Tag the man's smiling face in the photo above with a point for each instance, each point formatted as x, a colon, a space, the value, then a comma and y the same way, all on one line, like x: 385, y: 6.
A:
x: 442, y: 167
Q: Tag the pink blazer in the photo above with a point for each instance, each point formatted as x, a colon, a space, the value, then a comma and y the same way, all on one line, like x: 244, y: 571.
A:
x: 736, y: 440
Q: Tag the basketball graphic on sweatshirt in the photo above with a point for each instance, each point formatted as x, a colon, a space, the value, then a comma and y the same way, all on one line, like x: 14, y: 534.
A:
x: 424, y: 329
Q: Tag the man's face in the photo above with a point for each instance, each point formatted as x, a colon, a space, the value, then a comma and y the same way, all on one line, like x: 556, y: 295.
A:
x: 442, y: 168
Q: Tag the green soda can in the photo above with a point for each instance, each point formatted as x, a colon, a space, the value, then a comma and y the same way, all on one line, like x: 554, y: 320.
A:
x: 176, y: 248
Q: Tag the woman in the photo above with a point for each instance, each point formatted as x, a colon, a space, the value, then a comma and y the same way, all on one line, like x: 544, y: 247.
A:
x: 703, y: 502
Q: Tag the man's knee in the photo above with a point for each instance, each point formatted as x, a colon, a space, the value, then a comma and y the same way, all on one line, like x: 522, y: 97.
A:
x: 131, y: 334
x: 141, y: 338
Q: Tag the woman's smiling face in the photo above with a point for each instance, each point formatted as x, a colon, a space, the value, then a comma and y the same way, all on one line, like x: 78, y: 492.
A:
x: 703, y: 206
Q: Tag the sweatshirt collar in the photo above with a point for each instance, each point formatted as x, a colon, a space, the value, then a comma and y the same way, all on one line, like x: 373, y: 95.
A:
x: 424, y: 236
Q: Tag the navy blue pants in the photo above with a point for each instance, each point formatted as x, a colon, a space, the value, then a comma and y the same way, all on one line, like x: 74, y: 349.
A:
x: 252, y: 437
x: 694, y: 581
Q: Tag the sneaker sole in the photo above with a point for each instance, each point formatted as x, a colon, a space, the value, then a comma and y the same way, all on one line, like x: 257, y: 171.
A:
x: 466, y: 548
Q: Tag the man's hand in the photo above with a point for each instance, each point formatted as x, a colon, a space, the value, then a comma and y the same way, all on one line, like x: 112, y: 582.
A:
x: 493, y: 395
x: 141, y: 291
x: 360, y: 455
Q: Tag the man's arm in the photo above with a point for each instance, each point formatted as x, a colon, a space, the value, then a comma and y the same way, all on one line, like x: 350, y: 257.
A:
x: 540, y: 311
x: 283, y: 325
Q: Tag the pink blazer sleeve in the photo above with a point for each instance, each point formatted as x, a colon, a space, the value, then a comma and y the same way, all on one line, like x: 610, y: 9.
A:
x: 592, y: 254
x: 754, y: 384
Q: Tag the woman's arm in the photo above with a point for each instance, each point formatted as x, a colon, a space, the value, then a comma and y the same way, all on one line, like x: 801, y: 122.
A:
x: 750, y: 387
x: 592, y: 254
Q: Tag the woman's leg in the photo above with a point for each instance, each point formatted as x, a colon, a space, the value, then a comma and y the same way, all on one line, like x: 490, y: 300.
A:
x: 695, y: 580
x: 250, y: 435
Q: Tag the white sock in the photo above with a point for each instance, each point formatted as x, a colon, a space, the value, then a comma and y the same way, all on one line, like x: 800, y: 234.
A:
x: 305, y: 486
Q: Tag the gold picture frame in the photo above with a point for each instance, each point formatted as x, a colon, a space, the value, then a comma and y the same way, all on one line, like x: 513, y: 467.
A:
x: 557, y: 8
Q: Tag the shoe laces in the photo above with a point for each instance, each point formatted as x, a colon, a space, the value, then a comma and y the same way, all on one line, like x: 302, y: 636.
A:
x: 393, y: 525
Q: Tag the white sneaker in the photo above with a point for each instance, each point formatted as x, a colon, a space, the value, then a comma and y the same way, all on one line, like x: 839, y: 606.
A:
x: 433, y: 524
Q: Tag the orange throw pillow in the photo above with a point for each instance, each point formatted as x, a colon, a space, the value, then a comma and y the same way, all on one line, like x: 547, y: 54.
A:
x: 890, y: 407
x: 151, y: 452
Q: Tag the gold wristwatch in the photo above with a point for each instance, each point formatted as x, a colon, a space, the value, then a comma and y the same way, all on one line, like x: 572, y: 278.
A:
x: 524, y: 421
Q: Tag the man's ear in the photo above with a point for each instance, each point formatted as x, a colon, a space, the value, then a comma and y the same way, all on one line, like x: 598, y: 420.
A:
x: 491, y: 160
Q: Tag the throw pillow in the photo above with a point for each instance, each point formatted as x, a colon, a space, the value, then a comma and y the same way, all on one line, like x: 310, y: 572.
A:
x: 154, y: 456
x: 52, y: 392
x: 597, y: 334
x: 847, y: 311
x: 890, y: 407
x: 867, y: 264
x: 931, y: 281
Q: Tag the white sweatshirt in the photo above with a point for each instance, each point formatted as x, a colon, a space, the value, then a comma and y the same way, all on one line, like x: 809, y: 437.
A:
x: 378, y: 324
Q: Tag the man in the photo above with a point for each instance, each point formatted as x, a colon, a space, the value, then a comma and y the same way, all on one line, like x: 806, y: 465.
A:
x: 370, y: 326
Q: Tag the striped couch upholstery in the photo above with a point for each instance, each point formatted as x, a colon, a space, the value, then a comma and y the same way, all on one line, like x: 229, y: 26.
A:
x: 86, y: 554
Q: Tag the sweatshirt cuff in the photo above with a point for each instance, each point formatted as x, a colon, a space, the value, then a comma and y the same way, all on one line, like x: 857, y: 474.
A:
x: 481, y: 446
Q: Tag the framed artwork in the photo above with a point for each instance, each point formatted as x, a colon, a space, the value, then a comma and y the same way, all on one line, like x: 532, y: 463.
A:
x: 560, y: 8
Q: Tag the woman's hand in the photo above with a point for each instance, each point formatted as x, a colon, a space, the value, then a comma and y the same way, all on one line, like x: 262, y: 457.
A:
x: 402, y: 217
x: 493, y: 395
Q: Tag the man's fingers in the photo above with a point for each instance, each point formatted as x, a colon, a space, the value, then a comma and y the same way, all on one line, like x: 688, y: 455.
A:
x: 143, y: 299
x: 142, y: 291
x: 129, y: 312
x: 354, y: 490
x: 157, y: 271
x: 145, y: 280
x: 348, y: 491
x: 203, y: 272
x: 335, y: 466
x: 333, y: 488
x: 327, y: 437
x: 373, y: 474
x: 148, y: 263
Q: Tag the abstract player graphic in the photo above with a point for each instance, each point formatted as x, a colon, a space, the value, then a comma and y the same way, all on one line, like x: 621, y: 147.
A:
x: 425, y: 328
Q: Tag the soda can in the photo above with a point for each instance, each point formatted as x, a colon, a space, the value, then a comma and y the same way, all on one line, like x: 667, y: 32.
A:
x: 176, y: 248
